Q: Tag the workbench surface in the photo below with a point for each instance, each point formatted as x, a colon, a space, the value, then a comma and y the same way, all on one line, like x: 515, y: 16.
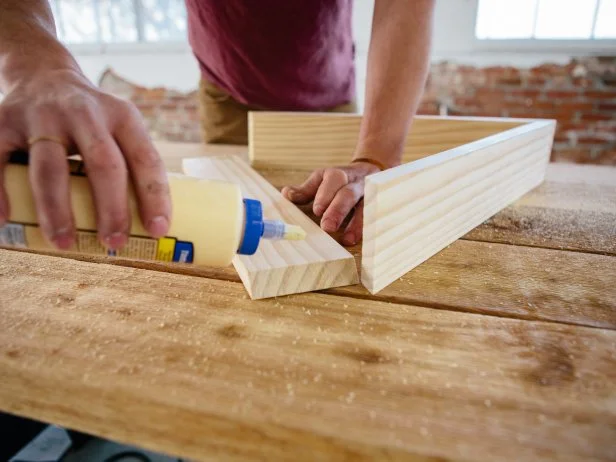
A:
x: 500, y: 347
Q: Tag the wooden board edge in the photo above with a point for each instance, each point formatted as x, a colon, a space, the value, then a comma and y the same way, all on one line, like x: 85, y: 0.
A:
x: 258, y: 287
x: 440, y: 158
x: 402, y: 173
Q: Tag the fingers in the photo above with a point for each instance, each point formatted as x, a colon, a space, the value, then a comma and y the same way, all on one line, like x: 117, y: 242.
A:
x: 333, y: 180
x: 9, y: 141
x: 4, y: 203
x: 343, y: 202
x: 49, y: 180
x: 306, y: 191
x: 107, y: 175
x: 147, y: 173
x: 353, y: 232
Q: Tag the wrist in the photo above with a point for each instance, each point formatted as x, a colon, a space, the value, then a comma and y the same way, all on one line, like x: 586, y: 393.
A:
x: 17, y: 66
x: 370, y: 161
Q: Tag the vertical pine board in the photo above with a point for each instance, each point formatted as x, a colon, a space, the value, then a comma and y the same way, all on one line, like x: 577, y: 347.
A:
x: 415, y: 210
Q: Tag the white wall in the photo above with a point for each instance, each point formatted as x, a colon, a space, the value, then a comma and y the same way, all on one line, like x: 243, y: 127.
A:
x: 174, y: 66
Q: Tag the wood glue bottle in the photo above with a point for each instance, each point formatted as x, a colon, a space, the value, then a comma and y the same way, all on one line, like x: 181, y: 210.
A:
x: 211, y: 221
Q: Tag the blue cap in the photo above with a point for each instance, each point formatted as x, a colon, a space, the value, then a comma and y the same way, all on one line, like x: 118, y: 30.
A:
x: 253, y: 227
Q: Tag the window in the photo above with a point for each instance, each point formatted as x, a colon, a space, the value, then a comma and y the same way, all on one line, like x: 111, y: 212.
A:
x: 119, y: 21
x: 546, y: 19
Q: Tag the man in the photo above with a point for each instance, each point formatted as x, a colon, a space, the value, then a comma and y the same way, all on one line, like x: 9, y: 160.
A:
x: 271, y: 54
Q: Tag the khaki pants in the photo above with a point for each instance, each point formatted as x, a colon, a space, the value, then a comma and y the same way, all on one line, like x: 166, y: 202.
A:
x: 225, y: 121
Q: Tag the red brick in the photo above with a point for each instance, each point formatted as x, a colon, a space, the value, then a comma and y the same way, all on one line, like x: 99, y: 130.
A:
x: 600, y: 94
x: 562, y: 94
x: 535, y: 80
x: 596, y: 139
x: 576, y: 106
x: 510, y: 81
x: 561, y: 137
x: 592, y: 117
x: 490, y: 94
x: 571, y: 126
x: 525, y: 92
x: 608, y: 107
x: 549, y: 70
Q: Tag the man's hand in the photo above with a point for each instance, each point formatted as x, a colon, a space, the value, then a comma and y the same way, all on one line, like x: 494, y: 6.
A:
x: 335, y: 192
x: 112, y: 140
x: 51, y: 109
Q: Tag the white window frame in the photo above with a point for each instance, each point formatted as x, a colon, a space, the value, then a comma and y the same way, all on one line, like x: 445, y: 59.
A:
x: 138, y: 47
x: 593, y: 46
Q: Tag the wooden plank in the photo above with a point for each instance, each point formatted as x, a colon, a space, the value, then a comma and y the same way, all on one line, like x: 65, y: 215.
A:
x: 280, y: 267
x: 308, y: 141
x: 575, y: 209
x: 135, y: 355
x: 479, y: 277
x: 413, y: 211
x: 510, y: 281
x: 172, y: 153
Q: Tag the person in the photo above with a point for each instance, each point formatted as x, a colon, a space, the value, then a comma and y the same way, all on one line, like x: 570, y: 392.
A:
x: 271, y: 54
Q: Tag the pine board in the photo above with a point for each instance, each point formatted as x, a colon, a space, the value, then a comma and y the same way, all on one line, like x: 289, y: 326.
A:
x: 413, y: 211
x: 190, y: 367
x: 280, y: 267
x: 307, y: 141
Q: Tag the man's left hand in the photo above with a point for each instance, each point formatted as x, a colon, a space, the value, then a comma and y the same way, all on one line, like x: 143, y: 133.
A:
x: 335, y: 192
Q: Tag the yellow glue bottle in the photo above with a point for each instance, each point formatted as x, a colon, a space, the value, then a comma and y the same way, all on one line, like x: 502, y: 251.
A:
x: 211, y: 220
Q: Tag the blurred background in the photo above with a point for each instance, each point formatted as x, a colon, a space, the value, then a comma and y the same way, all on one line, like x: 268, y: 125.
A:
x: 510, y: 58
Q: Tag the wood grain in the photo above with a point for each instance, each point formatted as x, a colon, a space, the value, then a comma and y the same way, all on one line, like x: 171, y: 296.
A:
x: 574, y: 209
x: 493, y: 279
x: 280, y: 267
x: 510, y: 281
x: 413, y: 211
x: 306, y: 141
x: 189, y: 367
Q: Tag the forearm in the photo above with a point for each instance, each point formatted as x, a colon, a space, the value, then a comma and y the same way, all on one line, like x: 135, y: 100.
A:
x: 28, y: 42
x: 398, y: 63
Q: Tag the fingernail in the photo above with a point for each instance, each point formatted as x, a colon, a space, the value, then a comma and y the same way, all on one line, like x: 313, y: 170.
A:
x: 63, y: 239
x: 349, y: 239
x: 116, y: 240
x: 318, y: 209
x: 328, y: 225
x: 295, y: 195
x: 158, y: 226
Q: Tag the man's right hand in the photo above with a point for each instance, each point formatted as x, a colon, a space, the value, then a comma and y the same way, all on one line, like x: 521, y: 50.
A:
x: 112, y: 140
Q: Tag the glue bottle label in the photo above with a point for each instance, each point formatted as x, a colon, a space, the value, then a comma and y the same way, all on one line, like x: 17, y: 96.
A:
x: 166, y: 249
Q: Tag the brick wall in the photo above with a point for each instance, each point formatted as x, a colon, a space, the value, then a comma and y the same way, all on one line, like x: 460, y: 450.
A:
x: 581, y: 96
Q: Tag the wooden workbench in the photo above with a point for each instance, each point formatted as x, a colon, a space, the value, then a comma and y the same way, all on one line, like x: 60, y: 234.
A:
x: 501, y: 347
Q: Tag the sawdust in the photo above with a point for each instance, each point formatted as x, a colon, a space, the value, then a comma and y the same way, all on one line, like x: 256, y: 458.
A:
x: 588, y: 231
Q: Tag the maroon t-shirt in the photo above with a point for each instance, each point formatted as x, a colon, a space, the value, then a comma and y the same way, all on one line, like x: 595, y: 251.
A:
x: 276, y: 54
